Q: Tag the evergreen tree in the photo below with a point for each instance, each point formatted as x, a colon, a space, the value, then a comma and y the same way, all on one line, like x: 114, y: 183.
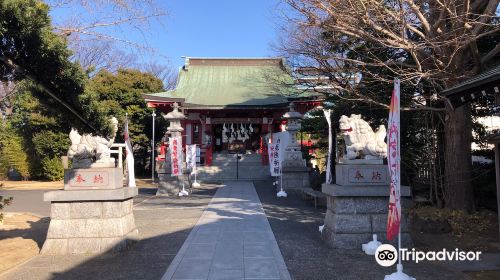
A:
x: 120, y: 93
x: 13, y: 158
x: 30, y: 50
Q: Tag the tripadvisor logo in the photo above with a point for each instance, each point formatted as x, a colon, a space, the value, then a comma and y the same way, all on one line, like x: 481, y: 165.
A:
x: 387, y: 255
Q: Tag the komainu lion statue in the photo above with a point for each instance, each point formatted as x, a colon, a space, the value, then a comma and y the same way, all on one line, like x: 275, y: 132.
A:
x: 360, y: 140
x: 88, y: 150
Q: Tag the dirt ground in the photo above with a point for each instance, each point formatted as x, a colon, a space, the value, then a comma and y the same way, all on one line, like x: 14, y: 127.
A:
x: 21, y: 236
x: 56, y: 185
x: 31, y: 185
x: 477, y: 231
x: 470, y: 232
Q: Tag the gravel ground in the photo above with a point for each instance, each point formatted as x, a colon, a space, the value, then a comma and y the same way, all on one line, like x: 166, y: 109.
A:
x: 295, y: 225
x: 164, y: 224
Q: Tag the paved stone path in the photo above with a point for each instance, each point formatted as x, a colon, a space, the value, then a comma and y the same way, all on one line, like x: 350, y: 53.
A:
x: 232, y: 240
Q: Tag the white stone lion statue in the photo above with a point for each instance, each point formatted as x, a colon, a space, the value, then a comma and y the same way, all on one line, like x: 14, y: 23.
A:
x: 360, y: 139
x: 89, y: 151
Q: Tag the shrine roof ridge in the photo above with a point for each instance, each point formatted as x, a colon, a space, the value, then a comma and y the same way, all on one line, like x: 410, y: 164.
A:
x: 232, y: 82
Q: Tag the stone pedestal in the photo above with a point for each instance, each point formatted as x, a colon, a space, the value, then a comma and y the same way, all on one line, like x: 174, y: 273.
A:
x: 295, y: 177
x: 90, y: 221
x: 171, y: 185
x: 355, y: 213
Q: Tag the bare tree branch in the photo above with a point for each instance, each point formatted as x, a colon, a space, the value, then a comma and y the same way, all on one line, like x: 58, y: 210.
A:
x: 98, y: 25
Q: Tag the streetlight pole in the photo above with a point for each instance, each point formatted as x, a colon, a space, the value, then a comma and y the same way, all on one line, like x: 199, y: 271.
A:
x: 153, y: 150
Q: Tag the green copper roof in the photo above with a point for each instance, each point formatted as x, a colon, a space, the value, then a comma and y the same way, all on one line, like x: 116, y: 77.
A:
x: 232, y: 82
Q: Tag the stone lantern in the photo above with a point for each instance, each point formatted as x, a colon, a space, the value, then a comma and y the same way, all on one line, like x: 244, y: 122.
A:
x: 168, y: 184
x: 174, y: 118
x: 293, y: 154
x: 295, y: 173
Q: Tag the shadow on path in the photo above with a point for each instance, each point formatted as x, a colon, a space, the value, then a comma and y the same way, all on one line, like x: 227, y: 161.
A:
x: 295, y: 225
x: 37, y: 231
x: 162, y: 233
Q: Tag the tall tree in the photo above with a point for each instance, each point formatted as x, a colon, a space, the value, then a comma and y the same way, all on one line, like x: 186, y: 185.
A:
x: 29, y: 49
x: 44, y: 131
x: 121, y: 93
x: 433, y: 45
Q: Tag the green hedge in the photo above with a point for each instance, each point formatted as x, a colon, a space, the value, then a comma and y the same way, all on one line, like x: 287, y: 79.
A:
x: 52, y: 169
x: 13, y: 156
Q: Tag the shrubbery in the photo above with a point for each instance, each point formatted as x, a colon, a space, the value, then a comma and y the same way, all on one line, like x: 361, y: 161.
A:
x: 49, y: 144
x: 44, y: 133
x: 13, y: 157
x: 3, y: 201
x: 49, y: 147
x: 52, y: 169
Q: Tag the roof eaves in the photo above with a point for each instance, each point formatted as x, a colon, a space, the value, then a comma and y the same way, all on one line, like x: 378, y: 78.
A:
x: 476, y: 81
x: 161, y: 97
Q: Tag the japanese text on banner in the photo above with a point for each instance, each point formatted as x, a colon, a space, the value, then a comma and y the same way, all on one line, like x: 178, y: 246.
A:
x: 175, y: 146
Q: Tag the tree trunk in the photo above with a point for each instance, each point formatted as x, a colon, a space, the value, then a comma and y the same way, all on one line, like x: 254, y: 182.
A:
x: 458, y: 158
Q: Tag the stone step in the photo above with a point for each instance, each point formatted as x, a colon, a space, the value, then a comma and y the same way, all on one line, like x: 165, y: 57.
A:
x: 224, y: 167
x: 223, y: 158
x: 216, y: 173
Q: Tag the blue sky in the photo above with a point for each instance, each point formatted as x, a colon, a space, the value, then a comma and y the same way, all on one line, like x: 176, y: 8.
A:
x: 222, y: 28
x: 199, y: 28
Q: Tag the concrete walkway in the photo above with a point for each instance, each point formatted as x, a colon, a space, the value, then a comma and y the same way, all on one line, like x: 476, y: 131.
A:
x: 232, y: 240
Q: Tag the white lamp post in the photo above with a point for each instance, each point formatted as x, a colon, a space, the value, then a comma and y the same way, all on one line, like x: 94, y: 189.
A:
x: 153, y: 150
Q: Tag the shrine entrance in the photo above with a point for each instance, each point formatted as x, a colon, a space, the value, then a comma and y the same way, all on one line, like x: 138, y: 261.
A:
x: 231, y: 108
x: 243, y: 137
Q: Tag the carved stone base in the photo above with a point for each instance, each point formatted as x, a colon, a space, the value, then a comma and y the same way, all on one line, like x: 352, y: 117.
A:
x: 93, y: 178
x: 355, y: 213
x: 92, y: 221
x: 361, y: 174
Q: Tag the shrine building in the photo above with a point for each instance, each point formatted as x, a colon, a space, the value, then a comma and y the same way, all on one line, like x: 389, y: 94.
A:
x: 233, y: 104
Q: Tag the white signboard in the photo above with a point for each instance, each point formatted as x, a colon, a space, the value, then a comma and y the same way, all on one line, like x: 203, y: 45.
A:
x: 198, y: 154
x: 275, y: 151
x: 284, y: 138
x: 191, y: 157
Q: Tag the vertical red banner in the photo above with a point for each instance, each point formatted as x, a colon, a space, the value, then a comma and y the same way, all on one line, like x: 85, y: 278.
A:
x: 394, y: 164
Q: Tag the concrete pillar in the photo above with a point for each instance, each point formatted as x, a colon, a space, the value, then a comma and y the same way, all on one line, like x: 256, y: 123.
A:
x: 294, y: 170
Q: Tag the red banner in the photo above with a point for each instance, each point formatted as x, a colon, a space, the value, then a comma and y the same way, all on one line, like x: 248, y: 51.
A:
x: 394, y: 163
